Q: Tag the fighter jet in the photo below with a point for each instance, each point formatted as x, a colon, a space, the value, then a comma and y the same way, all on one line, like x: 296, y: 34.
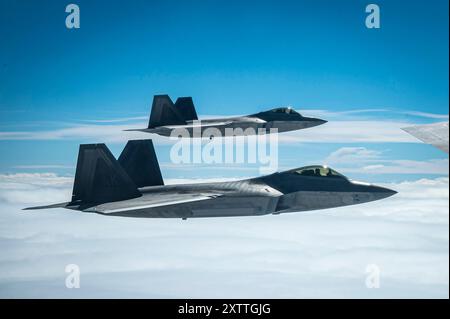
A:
x: 132, y: 186
x: 435, y: 134
x: 166, y: 117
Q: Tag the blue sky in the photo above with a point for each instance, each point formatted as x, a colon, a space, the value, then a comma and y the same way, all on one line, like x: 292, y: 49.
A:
x: 233, y: 57
x: 60, y: 88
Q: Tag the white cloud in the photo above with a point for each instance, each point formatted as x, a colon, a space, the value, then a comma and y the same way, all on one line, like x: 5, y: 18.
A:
x: 364, y: 160
x: 351, y: 132
x: 315, y: 254
x: 34, y: 188
x: 427, y: 115
x: 33, y: 179
x: 433, y: 167
x: 369, y: 113
x: 351, y: 154
x: 41, y: 166
x: 331, y: 132
x: 344, y: 127
x: 118, y: 120
x: 421, y: 201
x: 91, y: 132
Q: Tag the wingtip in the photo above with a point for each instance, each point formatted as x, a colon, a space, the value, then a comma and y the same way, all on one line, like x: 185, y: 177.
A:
x: 58, y: 205
x: 135, y: 130
x: 32, y: 208
x: 406, y: 129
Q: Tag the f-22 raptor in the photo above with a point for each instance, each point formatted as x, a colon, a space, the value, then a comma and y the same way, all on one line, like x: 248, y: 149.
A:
x: 132, y: 186
x: 167, y: 116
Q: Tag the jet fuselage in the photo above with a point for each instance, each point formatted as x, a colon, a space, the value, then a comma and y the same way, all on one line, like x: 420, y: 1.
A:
x: 132, y: 186
x: 236, y: 126
x: 273, y: 194
x: 180, y: 119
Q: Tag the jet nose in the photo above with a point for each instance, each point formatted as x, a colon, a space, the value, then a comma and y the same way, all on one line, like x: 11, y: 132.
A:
x: 381, y: 192
x: 315, y: 121
x: 320, y: 121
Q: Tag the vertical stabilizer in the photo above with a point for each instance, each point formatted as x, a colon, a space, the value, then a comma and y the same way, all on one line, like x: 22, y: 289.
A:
x: 139, y: 161
x: 99, y: 178
x: 186, y: 107
x: 164, y: 112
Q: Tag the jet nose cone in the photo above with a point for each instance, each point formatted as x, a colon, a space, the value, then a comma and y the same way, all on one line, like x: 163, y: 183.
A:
x: 315, y: 121
x: 320, y: 121
x: 382, y: 192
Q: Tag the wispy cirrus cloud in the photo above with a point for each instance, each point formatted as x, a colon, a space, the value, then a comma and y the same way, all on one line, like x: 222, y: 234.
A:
x: 432, y: 167
x: 118, y: 120
x: 343, y: 127
x: 349, y: 155
x: 335, y: 132
x: 364, y: 160
x: 426, y: 115
x: 351, y: 132
x: 367, y: 114
x: 86, y: 132
x: 41, y: 166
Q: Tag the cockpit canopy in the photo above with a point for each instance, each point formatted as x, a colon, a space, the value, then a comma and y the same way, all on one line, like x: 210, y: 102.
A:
x: 318, y: 171
x: 285, y: 110
x: 279, y: 114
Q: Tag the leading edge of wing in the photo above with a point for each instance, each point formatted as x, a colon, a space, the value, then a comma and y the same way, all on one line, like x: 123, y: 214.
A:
x: 185, y: 126
x: 109, y: 208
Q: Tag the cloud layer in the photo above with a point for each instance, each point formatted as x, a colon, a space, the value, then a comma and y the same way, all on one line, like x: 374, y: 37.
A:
x: 364, y: 160
x: 343, y: 127
x: 317, y: 254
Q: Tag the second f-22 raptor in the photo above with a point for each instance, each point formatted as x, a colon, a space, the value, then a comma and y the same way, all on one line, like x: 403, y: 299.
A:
x: 167, y: 116
x: 132, y: 186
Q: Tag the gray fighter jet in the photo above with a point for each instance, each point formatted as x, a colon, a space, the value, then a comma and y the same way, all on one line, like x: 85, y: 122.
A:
x: 435, y: 134
x: 133, y: 187
x: 167, y: 116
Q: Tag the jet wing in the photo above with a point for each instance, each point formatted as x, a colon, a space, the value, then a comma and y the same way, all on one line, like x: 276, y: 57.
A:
x: 182, y: 126
x: 200, y: 124
x: 435, y: 134
x: 59, y: 205
x: 151, y: 201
